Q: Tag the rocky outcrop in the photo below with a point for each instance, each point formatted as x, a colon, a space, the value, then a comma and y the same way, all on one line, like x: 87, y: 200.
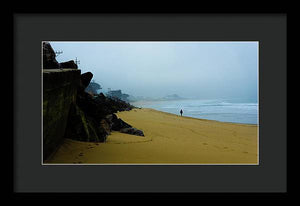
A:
x: 92, y: 118
x: 132, y: 131
x: 49, y: 60
x: 70, y: 112
x: 84, y: 121
x: 86, y: 79
x: 69, y: 65
x: 116, y: 123
x: 112, y: 105
x: 59, y: 93
x: 84, y: 128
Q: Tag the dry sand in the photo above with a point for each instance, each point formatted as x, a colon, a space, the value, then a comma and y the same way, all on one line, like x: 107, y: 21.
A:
x: 169, y: 139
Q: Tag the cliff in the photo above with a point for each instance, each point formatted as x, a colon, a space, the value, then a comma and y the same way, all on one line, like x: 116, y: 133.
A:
x: 59, y: 92
x: 70, y: 112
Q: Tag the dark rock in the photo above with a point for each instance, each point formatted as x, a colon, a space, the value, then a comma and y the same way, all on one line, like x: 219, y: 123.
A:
x: 59, y: 92
x: 50, y: 62
x: 120, y: 124
x: 84, y: 128
x: 101, y: 131
x: 105, y: 125
x: 92, y: 118
x: 113, y: 105
x: 69, y: 65
x: 101, y: 96
x: 92, y: 108
x: 116, y: 123
x: 111, y: 118
x: 132, y: 131
x: 49, y: 57
x: 86, y: 78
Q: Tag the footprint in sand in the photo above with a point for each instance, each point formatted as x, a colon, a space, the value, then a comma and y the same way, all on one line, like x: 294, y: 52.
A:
x: 245, y: 152
x: 204, y: 143
x: 225, y: 147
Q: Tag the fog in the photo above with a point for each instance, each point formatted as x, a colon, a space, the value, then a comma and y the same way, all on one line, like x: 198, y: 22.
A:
x: 205, y: 70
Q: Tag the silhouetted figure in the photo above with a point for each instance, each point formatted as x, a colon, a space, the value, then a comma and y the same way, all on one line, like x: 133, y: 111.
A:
x: 181, y: 112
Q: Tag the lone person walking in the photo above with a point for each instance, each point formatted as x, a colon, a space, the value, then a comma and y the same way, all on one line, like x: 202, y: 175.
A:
x: 181, y: 112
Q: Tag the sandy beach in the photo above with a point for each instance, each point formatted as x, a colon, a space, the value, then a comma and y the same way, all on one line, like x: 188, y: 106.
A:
x: 169, y: 139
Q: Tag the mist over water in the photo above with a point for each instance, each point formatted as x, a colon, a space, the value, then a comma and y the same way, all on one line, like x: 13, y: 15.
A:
x: 220, y: 79
x: 215, y: 109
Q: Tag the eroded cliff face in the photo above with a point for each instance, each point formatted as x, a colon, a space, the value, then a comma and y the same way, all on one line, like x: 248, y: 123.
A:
x: 59, y: 93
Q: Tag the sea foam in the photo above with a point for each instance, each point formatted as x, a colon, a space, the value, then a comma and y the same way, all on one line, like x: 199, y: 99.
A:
x: 220, y: 110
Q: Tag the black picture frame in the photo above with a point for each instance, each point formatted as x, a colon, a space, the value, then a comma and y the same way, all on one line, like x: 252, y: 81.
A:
x: 270, y: 29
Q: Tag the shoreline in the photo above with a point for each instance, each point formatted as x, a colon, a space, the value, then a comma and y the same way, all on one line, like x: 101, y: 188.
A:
x: 204, y: 114
x: 195, y: 118
x: 169, y: 139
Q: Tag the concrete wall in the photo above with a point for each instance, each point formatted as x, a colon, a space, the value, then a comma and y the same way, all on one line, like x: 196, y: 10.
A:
x: 59, y: 92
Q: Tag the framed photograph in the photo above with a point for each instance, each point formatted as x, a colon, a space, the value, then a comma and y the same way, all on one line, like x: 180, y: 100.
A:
x: 150, y: 103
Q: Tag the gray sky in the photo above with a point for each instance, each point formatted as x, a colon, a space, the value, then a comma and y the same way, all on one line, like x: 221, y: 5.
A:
x: 205, y: 70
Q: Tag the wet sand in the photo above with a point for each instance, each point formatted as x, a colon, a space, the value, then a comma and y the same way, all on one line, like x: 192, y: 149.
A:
x: 169, y: 139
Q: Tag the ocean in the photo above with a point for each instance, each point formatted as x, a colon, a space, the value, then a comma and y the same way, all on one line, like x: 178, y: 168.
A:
x: 216, y: 109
